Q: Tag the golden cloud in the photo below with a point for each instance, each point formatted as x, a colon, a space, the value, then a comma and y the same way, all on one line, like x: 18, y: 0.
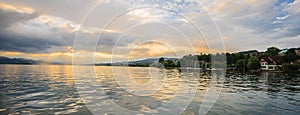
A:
x: 16, y: 8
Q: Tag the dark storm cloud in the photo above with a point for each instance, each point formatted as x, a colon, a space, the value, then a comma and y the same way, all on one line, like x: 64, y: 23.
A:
x: 39, y: 33
x: 14, y: 42
x: 69, y: 9
x: 8, y: 17
x: 25, y: 44
x: 30, y: 43
x: 21, y: 39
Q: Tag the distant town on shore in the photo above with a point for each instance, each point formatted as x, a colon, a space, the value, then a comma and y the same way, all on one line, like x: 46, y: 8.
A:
x: 273, y: 59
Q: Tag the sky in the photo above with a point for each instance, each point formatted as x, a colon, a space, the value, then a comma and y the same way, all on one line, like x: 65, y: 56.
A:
x: 136, y: 29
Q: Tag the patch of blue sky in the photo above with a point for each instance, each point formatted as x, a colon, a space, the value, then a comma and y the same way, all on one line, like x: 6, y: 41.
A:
x: 176, y: 7
x: 282, y: 14
x: 279, y: 2
x: 280, y: 8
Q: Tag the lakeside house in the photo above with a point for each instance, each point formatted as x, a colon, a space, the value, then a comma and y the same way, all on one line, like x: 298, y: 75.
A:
x: 270, y: 63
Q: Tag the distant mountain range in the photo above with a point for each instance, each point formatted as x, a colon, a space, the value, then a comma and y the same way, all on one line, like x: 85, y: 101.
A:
x: 7, y: 60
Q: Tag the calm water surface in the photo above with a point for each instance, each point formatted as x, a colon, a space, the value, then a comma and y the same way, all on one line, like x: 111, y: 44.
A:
x: 51, y: 89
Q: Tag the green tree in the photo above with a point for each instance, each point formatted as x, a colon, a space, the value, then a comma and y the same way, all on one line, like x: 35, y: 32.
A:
x: 204, y: 57
x: 241, y: 64
x: 161, y: 60
x: 290, y: 56
x: 253, y: 63
x: 240, y: 56
x: 169, y: 63
x: 231, y: 58
x: 291, y: 68
x: 273, y: 51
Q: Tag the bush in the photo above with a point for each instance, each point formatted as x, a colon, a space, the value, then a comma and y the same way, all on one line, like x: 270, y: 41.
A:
x: 291, y: 67
x: 253, y: 63
x: 241, y: 64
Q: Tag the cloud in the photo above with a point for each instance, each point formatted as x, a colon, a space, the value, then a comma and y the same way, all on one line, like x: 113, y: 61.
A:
x: 37, y: 27
x: 10, y: 15
x: 255, y: 24
x: 42, y: 33
x: 67, y: 9
x: 152, y: 49
x: 288, y: 42
x: 32, y: 36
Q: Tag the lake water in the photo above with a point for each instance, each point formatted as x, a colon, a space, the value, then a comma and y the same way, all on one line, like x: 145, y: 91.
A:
x: 51, y: 89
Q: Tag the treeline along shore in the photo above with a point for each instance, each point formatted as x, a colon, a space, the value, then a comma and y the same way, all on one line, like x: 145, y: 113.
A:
x: 273, y: 59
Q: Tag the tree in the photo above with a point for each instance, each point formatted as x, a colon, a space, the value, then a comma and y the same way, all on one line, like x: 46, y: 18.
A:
x: 253, y: 63
x: 203, y: 57
x: 169, y: 63
x: 241, y: 64
x: 290, y: 56
x: 240, y: 56
x: 291, y: 67
x: 273, y: 51
x: 161, y: 60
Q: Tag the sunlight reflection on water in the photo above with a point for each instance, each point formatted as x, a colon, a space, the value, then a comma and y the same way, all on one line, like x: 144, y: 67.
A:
x: 50, y: 89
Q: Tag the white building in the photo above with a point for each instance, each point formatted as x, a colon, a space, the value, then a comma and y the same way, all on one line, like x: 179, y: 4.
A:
x: 270, y: 63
